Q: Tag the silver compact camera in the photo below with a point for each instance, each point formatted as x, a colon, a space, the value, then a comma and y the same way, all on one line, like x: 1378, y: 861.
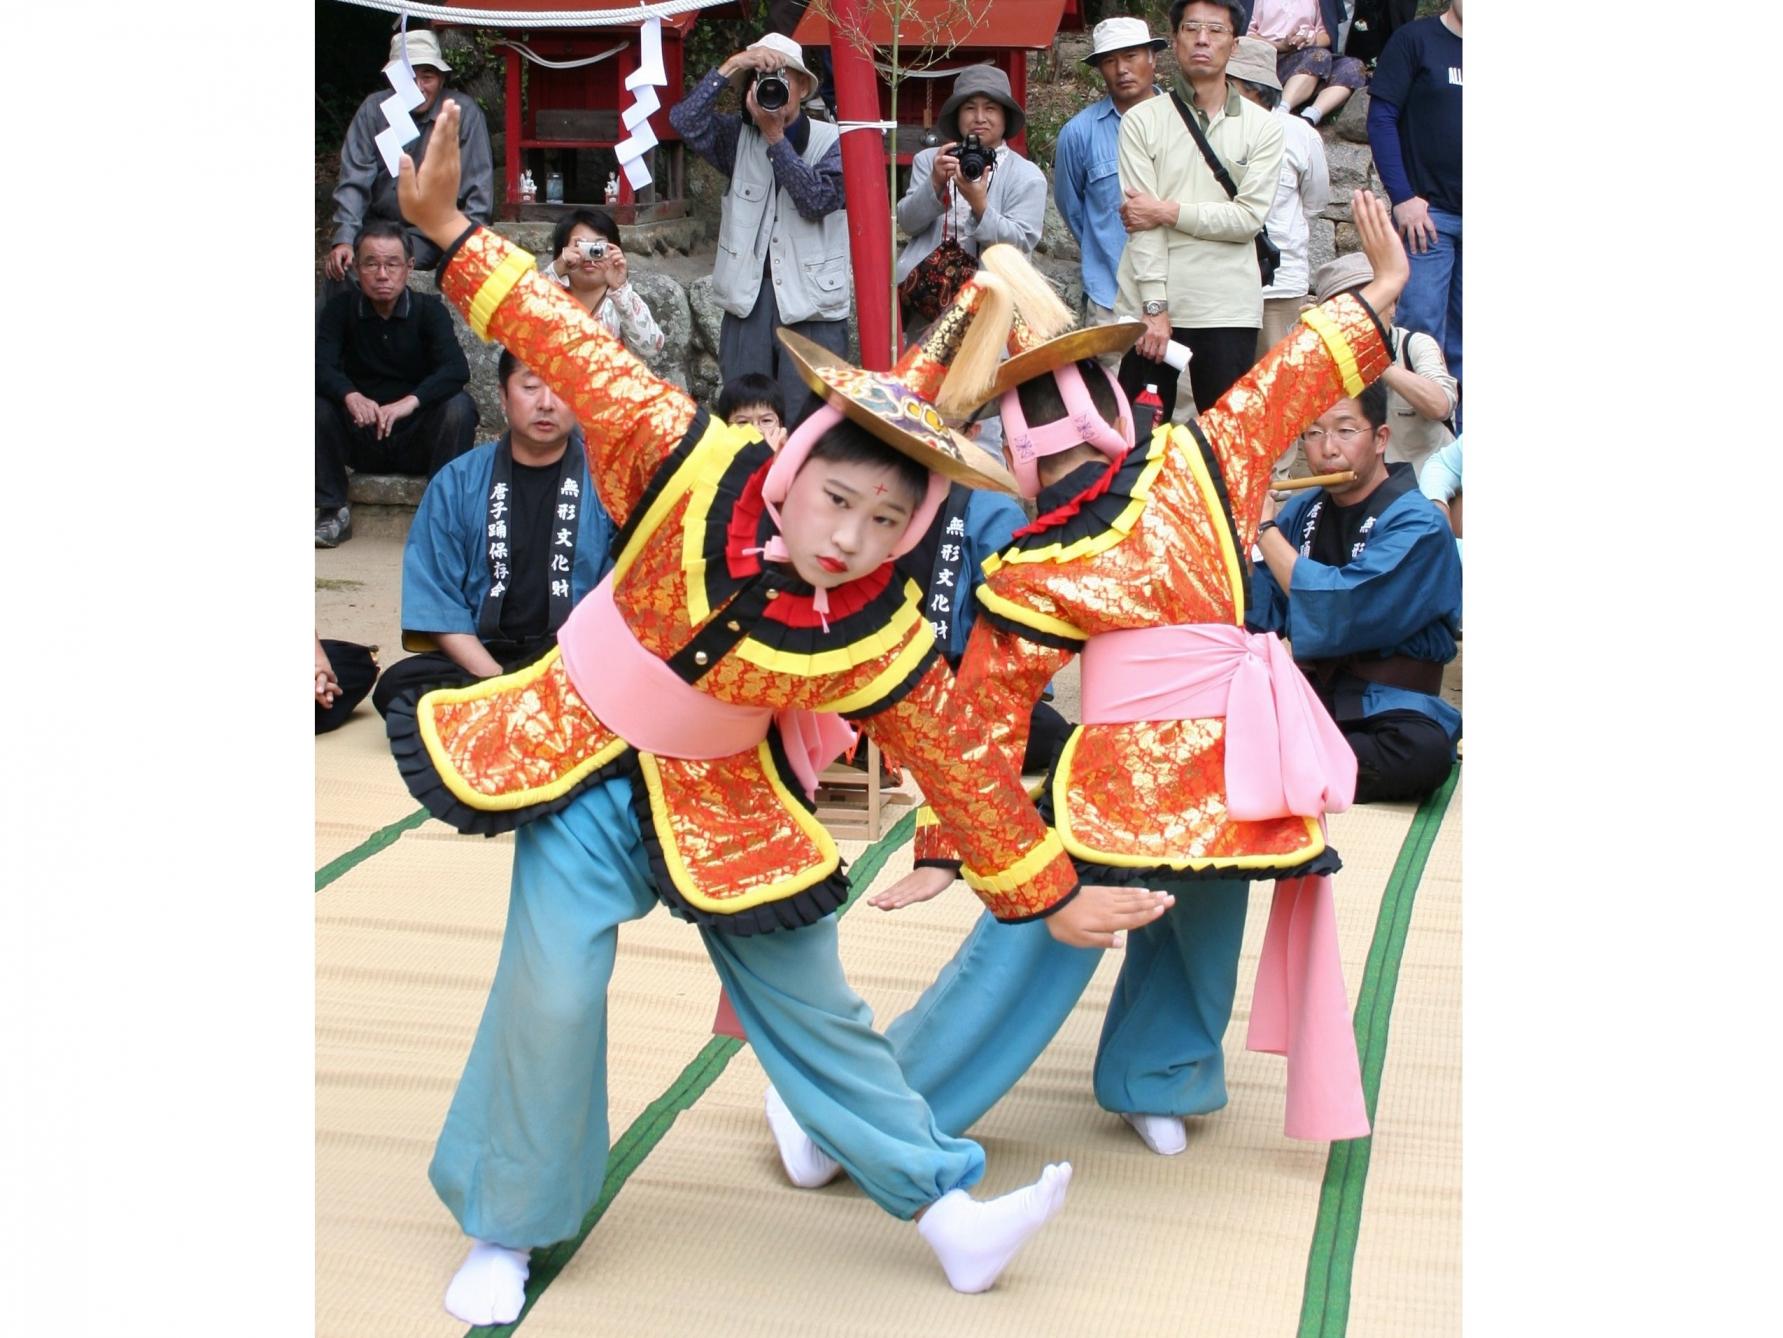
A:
x: 595, y: 250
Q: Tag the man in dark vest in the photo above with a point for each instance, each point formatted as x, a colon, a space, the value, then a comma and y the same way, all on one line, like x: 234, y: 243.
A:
x: 1364, y: 582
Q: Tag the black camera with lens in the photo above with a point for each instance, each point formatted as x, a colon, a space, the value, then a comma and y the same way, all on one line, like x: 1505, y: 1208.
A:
x: 771, y: 92
x: 975, y: 159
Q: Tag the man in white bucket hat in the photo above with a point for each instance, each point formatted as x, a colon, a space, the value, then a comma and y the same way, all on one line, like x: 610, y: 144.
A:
x: 367, y: 190
x: 783, y: 232
x: 1086, y: 181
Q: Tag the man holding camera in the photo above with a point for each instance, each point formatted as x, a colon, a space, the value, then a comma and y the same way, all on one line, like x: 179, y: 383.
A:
x: 783, y: 233
x: 973, y: 189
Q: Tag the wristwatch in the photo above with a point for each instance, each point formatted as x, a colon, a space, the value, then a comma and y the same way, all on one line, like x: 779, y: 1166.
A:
x: 1154, y: 308
x: 1264, y: 527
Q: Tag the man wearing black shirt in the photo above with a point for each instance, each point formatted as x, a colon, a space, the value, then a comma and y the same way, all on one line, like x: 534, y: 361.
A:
x: 508, y: 537
x: 1363, y: 579
x: 390, y: 379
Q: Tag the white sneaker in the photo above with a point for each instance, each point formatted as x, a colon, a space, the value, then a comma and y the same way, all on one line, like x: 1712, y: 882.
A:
x: 1165, y: 1135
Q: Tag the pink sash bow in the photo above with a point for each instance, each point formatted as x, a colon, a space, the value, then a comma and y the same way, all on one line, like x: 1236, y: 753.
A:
x: 653, y: 709
x: 1285, y: 757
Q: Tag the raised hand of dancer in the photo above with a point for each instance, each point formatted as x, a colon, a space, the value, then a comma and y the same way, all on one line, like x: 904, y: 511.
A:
x: 917, y: 885
x: 429, y: 197
x: 1385, y: 252
x: 1100, y: 916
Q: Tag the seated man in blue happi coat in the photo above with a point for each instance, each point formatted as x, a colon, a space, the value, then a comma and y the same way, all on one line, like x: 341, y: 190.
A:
x: 507, y: 538
x: 1364, y: 582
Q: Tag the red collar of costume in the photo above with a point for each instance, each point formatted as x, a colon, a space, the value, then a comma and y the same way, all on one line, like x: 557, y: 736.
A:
x: 1061, y: 514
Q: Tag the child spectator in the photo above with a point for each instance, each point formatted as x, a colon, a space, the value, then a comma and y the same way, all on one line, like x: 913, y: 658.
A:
x: 754, y: 400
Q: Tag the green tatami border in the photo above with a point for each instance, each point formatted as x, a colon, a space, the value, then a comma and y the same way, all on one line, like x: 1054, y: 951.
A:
x: 1325, y: 1303
x: 371, y: 845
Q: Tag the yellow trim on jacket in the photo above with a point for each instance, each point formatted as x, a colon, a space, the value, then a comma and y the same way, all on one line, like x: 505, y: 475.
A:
x: 498, y: 285
x: 501, y: 803
x: 1216, y: 517
x: 1018, y: 875
x: 684, y: 883
x: 1061, y: 821
x: 840, y: 660
x: 1338, y: 346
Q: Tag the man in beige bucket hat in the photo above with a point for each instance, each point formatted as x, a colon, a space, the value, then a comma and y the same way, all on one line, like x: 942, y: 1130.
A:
x: 367, y: 190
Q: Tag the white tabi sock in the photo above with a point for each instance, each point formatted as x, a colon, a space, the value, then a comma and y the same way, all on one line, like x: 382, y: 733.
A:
x: 807, y: 1165
x: 1165, y: 1135
x: 489, y: 1286
x: 975, y: 1241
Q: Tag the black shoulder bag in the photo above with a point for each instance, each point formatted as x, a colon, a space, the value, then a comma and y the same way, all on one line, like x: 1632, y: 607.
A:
x: 1269, y: 255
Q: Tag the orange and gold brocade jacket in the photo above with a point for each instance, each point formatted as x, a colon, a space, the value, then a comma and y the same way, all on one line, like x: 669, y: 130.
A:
x: 1149, y: 543
x: 732, y: 842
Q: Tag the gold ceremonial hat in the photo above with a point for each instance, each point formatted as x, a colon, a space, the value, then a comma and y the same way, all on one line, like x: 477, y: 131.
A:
x: 899, y: 407
x: 1072, y: 346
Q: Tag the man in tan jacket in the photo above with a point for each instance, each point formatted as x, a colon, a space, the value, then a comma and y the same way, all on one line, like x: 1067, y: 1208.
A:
x: 1190, y: 267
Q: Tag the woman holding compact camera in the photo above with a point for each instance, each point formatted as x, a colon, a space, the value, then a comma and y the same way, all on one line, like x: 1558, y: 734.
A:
x: 966, y: 194
x: 589, y: 262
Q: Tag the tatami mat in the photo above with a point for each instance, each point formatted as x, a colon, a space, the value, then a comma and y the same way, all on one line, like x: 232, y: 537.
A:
x: 357, y: 788
x: 1408, y: 1252
x: 706, y: 1236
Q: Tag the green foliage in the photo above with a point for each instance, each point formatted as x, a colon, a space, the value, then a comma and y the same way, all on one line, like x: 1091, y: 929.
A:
x: 1156, y: 13
x: 713, y: 41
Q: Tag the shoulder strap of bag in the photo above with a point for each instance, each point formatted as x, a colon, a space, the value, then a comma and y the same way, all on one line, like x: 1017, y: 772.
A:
x: 1220, y: 174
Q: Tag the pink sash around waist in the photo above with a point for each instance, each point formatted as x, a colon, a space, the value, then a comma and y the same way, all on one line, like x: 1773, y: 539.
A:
x: 1285, y: 756
x: 655, y: 710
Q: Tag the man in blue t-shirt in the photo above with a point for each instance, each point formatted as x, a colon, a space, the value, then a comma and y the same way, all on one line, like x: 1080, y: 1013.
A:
x: 1414, y: 128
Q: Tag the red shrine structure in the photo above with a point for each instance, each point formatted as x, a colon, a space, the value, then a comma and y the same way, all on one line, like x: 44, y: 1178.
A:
x: 1007, y: 31
x: 565, y: 90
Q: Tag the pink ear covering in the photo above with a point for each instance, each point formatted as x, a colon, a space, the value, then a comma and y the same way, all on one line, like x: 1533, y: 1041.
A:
x: 1081, y: 424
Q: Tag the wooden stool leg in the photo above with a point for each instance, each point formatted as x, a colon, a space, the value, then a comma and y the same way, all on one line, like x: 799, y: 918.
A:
x: 872, y: 790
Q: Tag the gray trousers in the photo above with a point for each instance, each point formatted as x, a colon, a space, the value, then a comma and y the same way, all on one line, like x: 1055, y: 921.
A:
x: 748, y: 344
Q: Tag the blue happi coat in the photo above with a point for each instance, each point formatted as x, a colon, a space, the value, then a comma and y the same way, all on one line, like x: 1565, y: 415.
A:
x: 445, y: 564
x: 1401, y: 596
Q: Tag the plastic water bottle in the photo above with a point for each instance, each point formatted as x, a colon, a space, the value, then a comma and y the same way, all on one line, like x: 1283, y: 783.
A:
x: 554, y: 188
x: 1147, y: 409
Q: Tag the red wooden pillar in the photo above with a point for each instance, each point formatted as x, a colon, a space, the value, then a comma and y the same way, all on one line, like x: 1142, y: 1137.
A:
x: 511, y: 134
x: 1015, y: 65
x: 863, y: 179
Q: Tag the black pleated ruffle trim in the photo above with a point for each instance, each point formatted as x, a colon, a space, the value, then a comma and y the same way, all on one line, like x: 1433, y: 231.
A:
x: 1325, y: 862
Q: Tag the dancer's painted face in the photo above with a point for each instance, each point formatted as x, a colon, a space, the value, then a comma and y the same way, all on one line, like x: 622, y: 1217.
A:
x: 842, y: 518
